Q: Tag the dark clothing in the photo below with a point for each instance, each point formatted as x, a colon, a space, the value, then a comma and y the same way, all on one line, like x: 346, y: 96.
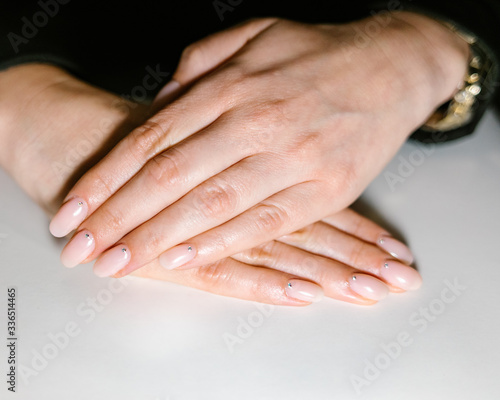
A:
x: 116, y: 44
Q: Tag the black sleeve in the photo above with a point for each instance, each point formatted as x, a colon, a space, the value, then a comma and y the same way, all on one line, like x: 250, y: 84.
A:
x: 116, y: 44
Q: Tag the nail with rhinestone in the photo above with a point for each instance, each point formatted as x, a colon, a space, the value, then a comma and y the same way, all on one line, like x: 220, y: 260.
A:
x: 395, y: 248
x: 368, y: 287
x: 304, y: 290
x: 112, y: 261
x: 69, y: 217
x: 400, y: 275
x: 177, y: 256
x: 78, y: 249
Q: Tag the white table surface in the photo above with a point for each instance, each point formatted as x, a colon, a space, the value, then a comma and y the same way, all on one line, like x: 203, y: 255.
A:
x: 154, y: 340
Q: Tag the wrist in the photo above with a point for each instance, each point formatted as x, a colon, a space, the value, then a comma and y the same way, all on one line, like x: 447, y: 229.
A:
x: 19, y: 85
x: 55, y: 127
x: 442, y: 54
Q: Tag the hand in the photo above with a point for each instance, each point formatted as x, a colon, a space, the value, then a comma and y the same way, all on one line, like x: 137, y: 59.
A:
x: 282, y: 130
x: 341, y: 257
x: 49, y: 114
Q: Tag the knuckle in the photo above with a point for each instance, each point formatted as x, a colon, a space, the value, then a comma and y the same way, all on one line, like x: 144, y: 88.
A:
x: 358, y: 256
x: 102, y: 185
x: 154, y: 242
x: 259, y: 285
x: 262, y: 253
x: 114, y: 220
x: 164, y: 169
x: 215, y: 198
x: 215, y: 275
x: 272, y: 114
x: 303, y: 236
x: 145, y: 141
x: 307, y: 146
x: 271, y: 218
x: 341, y: 177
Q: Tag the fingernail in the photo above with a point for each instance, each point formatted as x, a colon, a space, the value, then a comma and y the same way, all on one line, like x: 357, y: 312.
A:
x: 177, y: 256
x: 395, y: 248
x: 70, y: 215
x: 78, y: 249
x: 303, y: 290
x: 165, y: 93
x: 368, y: 287
x: 401, y: 275
x: 112, y: 261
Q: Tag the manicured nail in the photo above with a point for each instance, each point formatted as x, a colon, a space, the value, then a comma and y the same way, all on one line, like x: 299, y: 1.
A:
x: 303, y: 290
x: 78, y: 249
x: 401, y: 275
x: 177, y: 256
x: 112, y: 261
x: 368, y: 287
x: 163, y: 96
x: 70, y: 215
x: 395, y: 248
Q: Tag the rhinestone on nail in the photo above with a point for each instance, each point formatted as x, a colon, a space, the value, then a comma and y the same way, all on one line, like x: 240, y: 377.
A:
x: 381, y: 241
x: 80, y: 203
x: 354, y: 277
x: 190, y: 248
x: 124, y: 250
x: 386, y: 265
x: 289, y: 284
x: 87, y: 235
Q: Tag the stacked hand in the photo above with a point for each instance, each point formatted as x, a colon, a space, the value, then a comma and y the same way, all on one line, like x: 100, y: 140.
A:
x: 268, y: 131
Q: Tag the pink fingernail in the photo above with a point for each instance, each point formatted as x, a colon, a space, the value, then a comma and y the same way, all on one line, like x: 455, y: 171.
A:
x: 70, y: 215
x: 303, y: 290
x: 395, y: 248
x: 177, y: 256
x: 112, y: 261
x: 78, y: 249
x: 368, y: 287
x: 165, y: 93
x: 401, y: 275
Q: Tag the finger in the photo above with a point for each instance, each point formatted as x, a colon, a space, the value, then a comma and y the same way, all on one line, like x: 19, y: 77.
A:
x: 282, y: 212
x: 187, y: 115
x: 232, y: 278
x: 207, y: 206
x: 339, y: 281
x: 355, y: 224
x: 325, y: 240
x: 163, y: 181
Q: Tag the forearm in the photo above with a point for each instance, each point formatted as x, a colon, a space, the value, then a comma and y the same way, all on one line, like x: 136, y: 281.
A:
x: 54, y: 127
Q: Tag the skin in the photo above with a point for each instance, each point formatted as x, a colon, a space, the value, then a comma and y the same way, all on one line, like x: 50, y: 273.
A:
x: 45, y: 113
x: 277, y: 124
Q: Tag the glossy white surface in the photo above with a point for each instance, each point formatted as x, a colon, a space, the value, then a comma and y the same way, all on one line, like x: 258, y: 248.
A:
x: 153, y: 340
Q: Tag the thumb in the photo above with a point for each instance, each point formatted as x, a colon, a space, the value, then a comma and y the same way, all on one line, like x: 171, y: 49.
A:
x: 202, y: 56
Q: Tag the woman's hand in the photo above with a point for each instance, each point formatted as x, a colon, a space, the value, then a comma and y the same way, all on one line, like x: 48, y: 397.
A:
x: 58, y: 116
x: 341, y: 257
x: 288, y: 125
